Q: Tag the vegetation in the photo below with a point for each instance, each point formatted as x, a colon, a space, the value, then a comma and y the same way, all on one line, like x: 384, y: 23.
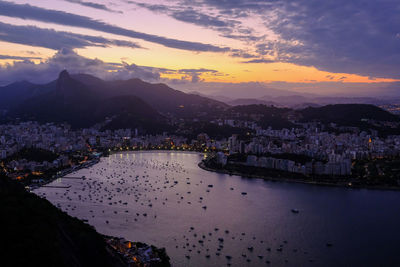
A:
x: 298, y: 158
x: 270, y: 174
x: 378, y: 173
x: 35, y: 233
x: 266, y: 116
x: 34, y: 154
x: 347, y: 114
x: 384, y: 171
x: 213, y: 130
x: 83, y: 101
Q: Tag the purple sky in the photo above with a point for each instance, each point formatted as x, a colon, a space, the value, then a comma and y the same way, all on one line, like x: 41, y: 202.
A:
x: 321, y: 47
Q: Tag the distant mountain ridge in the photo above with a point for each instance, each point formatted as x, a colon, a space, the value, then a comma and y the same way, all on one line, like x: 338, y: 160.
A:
x: 17, y: 92
x: 347, y: 114
x: 83, y: 100
x: 300, y: 101
x: 159, y: 96
x: 251, y: 101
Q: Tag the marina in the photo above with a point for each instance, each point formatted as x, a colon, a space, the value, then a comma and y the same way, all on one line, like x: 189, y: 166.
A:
x: 204, y: 219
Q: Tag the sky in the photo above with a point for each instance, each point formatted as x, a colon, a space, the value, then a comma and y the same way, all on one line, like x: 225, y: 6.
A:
x: 235, y: 48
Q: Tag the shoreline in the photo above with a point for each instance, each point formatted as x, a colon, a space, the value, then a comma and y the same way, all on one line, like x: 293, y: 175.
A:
x: 203, y: 166
x: 97, y: 160
x: 116, y: 250
x: 288, y: 180
x: 154, y: 151
x: 253, y: 176
x: 67, y: 172
x: 223, y: 171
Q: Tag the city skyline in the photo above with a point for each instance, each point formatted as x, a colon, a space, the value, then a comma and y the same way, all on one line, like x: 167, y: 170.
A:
x: 199, y: 133
x: 335, y: 47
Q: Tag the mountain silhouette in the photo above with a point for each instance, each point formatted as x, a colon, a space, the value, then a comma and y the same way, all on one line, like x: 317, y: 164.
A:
x: 83, y: 100
x: 74, y: 102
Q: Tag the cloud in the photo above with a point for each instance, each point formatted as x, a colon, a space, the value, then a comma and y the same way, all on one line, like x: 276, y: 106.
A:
x: 48, y: 70
x: 18, y: 57
x: 266, y: 48
x: 242, y: 54
x: 259, y: 60
x: 243, y: 37
x: 340, y: 36
x: 48, y: 38
x: 63, y: 18
x: 128, y: 71
x: 66, y: 58
x: 92, y: 5
x: 198, y: 18
x: 189, y: 12
x: 194, y: 74
x: 332, y: 35
x: 197, y: 70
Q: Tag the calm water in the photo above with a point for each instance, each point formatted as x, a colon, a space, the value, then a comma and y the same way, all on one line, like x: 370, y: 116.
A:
x: 171, y: 190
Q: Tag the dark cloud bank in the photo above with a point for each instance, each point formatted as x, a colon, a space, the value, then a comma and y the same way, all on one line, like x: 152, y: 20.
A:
x: 359, y: 36
x: 63, y: 18
x: 23, y: 68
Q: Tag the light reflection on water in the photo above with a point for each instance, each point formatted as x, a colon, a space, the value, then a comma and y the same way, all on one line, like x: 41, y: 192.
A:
x: 258, y: 227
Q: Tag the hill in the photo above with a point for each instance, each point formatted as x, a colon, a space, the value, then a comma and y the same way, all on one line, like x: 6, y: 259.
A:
x: 35, y: 233
x: 83, y: 100
x: 160, y: 96
x: 78, y: 104
x: 70, y: 101
x: 131, y: 112
x: 302, y: 101
x: 251, y: 101
x: 347, y: 114
x: 18, y: 92
x: 266, y: 116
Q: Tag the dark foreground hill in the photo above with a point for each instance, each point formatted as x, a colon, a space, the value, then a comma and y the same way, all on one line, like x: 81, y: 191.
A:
x: 35, y: 233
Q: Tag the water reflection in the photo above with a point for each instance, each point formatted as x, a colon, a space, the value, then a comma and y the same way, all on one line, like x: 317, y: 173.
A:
x: 204, y: 219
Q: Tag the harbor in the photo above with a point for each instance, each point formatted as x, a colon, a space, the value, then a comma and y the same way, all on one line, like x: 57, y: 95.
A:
x: 204, y: 219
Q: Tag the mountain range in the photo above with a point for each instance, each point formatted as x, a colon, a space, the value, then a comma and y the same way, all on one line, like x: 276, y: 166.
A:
x: 300, y: 102
x: 83, y: 100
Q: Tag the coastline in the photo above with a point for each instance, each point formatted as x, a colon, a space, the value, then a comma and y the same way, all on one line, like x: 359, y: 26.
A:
x: 116, y: 246
x: 288, y: 180
x: 154, y: 151
x: 267, y: 178
x: 65, y: 172
x: 202, y: 165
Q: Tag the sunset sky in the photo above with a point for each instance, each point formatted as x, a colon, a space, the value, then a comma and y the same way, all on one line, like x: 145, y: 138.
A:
x: 210, y: 46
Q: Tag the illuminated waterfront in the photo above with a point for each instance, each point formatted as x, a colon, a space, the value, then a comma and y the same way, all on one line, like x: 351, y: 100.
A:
x: 204, y: 219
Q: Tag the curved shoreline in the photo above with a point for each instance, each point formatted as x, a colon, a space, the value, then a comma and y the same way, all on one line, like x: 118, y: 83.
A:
x: 287, y: 180
x: 155, y: 151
